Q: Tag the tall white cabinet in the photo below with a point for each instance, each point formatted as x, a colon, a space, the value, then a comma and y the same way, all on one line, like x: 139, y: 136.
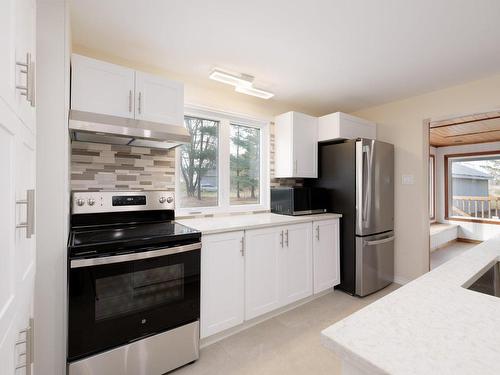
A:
x: 110, y: 89
x: 296, y: 145
x: 17, y: 163
x: 222, y: 284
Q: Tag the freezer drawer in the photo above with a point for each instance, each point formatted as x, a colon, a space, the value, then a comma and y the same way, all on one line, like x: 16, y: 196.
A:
x: 374, y: 262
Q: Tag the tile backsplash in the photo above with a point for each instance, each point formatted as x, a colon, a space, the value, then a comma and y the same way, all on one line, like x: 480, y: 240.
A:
x: 96, y: 166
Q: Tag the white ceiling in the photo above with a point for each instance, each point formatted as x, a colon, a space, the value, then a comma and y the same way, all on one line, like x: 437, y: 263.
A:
x: 325, y: 55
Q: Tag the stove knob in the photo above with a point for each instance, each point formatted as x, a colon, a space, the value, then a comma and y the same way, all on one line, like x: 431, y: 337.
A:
x: 162, y: 200
x: 80, y: 202
x: 170, y: 200
x: 91, y: 201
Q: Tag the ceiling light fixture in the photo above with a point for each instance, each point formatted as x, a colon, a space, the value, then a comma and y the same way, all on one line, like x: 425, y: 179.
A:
x: 243, y: 83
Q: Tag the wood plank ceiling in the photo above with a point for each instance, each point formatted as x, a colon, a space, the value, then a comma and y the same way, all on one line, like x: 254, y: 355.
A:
x: 478, y: 128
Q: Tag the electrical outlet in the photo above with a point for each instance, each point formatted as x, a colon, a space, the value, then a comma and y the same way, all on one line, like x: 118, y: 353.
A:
x: 407, y: 179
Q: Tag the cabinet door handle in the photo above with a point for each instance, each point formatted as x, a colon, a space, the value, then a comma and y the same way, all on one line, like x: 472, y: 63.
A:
x: 281, y: 240
x: 130, y: 101
x: 317, y: 232
x: 242, y: 246
x: 139, y: 109
x: 28, y: 69
x: 286, y: 233
x: 29, y: 224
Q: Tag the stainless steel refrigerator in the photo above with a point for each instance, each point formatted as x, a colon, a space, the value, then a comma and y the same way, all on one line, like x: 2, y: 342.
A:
x: 359, y: 178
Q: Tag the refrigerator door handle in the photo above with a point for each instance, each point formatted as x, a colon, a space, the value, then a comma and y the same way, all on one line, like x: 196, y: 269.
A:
x: 367, y: 190
x: 379, y: 242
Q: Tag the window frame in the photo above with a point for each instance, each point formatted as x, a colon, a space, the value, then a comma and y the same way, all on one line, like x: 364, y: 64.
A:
x: 432, y: 161
x: 447, y: 186
x: 225, y: 119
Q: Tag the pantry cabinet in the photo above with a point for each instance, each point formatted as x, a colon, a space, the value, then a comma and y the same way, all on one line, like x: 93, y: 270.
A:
x: 222, y: 282
x: 296, y: 145
x: 110, y: 89
x: 326, y: 254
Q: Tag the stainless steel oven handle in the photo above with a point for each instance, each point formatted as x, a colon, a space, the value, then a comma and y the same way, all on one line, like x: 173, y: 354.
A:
x: 77, y: 263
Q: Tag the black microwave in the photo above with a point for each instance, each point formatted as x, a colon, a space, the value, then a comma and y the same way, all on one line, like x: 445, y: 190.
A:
x: 298, y: 200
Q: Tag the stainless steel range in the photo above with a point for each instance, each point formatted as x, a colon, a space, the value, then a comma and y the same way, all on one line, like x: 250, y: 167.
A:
x: 134, y: 285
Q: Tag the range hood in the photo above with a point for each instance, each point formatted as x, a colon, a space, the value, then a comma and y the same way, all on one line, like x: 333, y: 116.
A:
x: 98, y: 128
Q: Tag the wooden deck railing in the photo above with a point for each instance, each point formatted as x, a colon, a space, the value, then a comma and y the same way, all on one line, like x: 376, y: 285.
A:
x: 476, y: 207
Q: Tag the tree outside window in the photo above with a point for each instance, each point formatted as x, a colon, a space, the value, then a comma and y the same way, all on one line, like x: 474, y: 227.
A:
x: 244, y: 165
x: 198, y: 162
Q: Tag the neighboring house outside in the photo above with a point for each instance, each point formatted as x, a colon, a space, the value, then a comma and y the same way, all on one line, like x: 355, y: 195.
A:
x: 469, y: 181
x: 209, y: 181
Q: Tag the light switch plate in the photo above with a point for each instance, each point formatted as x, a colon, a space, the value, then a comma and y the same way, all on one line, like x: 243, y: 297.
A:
x: 407, y: 179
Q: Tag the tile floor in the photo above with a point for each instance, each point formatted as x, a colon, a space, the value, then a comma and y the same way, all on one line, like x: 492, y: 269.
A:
x: 448, y: 252
x: 287, y: 344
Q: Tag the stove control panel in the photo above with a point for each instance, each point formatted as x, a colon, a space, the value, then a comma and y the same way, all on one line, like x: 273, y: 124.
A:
x: 119, y: 201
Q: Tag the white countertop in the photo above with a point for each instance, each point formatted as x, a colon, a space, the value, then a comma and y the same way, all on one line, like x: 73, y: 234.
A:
x: 431, y: 325
x: 210, y: 225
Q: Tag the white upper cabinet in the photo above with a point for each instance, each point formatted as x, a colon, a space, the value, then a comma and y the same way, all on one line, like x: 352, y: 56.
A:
x: 222, y: 282
x: 101, y: 87
x: 159, y: 99
x: 296, y: 145
x: 326, y: 254
x: 340, y: 125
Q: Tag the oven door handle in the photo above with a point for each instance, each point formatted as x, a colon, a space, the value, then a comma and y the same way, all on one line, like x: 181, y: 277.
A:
x: 89, y: 262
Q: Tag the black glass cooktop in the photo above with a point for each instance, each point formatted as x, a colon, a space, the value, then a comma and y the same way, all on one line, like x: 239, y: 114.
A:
x: 96, y: 239
x: 97, y: 235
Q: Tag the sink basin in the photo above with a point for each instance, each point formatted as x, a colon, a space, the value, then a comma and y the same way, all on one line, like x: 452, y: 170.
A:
x: 488, y: 282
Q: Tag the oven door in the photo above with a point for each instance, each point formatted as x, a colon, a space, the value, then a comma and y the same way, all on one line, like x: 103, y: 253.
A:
x: 118, y: 299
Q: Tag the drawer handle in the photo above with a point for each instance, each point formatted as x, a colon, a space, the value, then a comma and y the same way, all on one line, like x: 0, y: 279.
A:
x: 379, y: 242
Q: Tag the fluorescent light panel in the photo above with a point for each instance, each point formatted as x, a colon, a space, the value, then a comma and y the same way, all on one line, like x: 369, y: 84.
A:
x: 242, y: 83
x: 254, y: 92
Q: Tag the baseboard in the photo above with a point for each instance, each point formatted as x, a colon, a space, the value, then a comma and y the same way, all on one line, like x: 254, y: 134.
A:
x: 250, y: 323
x: 469, y: 240
x: 401, y: 280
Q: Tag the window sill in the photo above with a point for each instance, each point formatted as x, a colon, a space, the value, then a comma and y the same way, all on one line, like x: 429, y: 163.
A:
x: 220, y: 211
x: 474, y: 220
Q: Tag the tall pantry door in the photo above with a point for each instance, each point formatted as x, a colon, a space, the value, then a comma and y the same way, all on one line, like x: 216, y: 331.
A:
x: 17, y: 183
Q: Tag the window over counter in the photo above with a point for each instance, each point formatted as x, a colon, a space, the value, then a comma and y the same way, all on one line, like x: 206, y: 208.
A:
x: 473, y: 187
x: 225, y: 168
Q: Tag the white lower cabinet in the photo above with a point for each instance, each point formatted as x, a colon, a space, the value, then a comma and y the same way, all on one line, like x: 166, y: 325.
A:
x: 278, y: 267
x: 326, y: 254
x: 263, y: 248
x: 296, y: 263
x: 249, y: 273
x: 222, y: 282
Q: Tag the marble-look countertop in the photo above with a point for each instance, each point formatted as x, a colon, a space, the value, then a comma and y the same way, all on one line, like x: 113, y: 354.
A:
x: 211, y: 225
x: 431, y: 325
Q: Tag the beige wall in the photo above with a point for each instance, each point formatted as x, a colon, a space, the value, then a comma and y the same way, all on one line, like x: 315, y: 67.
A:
x: 401, y: 123
x: 204, y: 92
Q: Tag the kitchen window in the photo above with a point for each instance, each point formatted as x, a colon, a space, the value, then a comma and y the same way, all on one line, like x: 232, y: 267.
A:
x: 225, y: 167
x: 473, y: 187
